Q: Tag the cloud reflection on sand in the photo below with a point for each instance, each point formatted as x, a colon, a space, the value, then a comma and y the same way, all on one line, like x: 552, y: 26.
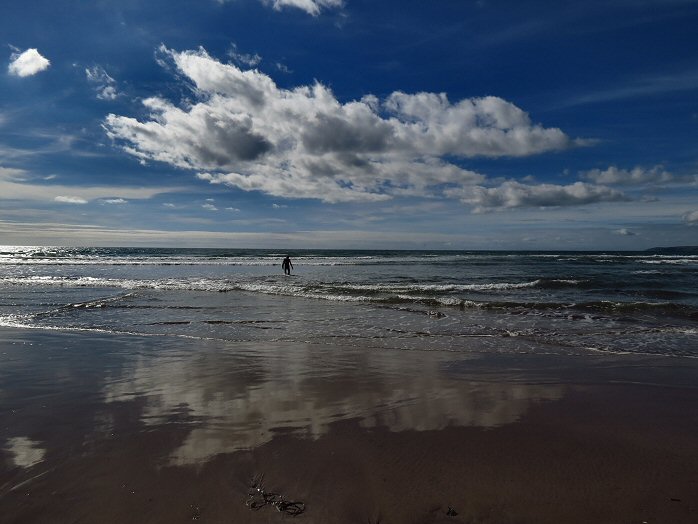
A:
x: 234, y: 402
x: 24, y: 451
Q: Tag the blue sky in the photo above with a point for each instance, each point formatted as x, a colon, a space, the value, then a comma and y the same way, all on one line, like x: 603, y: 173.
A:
x: 350, y: 123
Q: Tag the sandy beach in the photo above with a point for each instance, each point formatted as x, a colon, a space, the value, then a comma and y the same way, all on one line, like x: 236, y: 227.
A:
x: 106, y: 428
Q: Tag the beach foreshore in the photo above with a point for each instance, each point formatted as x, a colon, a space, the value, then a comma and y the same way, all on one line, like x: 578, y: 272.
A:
x: 102, y: 427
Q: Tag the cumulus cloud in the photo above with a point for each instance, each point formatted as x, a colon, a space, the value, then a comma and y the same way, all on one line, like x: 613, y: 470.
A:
x: 638, y: 176
x: 512, y: 194
x: 635, y: 176
x: 104, y: 84
x: 245, y: 131
x: 691, y: 217
x: 114, y: 201
x: 70, y: 199
x: 312, y: 7
x: 27, y: 63
x: 209, y: 207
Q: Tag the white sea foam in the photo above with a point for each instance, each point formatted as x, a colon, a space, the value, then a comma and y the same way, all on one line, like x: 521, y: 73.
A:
x: 675, y: 261
x: 392, y: 287
x: 209, y: 284
x: 17, y: 321
x: 297, y: 291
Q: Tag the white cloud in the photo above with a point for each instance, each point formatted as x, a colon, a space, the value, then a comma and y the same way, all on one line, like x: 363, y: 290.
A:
x: 639, y: 87
x: 312, y: 7
x: 512, y: 194
x: 43, y: 233
x: 209, y: 207
x: 691, y: 217
x: 70, y: 199
x: 28, y: 63
x: 104, y: 84
x: 278, y: 206
x: 636, y: 176
x: 13, y: 174
x: 624, y: 232
x: 249, y: 60
x: 44, y: 142
x: 245, y: 131
x: 486, y: 126
x: 16, y: 184
x: 114, y: 201
x: 232, y: 209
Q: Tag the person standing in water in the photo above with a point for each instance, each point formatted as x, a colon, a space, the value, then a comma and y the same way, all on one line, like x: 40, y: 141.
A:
x: 286, y: 265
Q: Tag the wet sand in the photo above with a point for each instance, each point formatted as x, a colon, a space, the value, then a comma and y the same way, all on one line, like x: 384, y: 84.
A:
x: 105, y: 428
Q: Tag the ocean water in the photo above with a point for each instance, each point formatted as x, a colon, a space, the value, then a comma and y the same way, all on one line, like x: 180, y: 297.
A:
x: 504, y: 302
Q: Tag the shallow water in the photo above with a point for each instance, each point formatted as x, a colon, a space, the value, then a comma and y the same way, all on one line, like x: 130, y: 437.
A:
x: 531, y: 302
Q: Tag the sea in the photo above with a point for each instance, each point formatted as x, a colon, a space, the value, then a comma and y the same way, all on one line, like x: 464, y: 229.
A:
x: 567, y: 303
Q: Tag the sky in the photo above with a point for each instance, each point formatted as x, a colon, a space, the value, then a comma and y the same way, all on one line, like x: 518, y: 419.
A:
x: 448, y: 124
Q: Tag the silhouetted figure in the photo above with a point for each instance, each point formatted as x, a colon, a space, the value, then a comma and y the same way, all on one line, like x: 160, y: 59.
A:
x: 286, y: 265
